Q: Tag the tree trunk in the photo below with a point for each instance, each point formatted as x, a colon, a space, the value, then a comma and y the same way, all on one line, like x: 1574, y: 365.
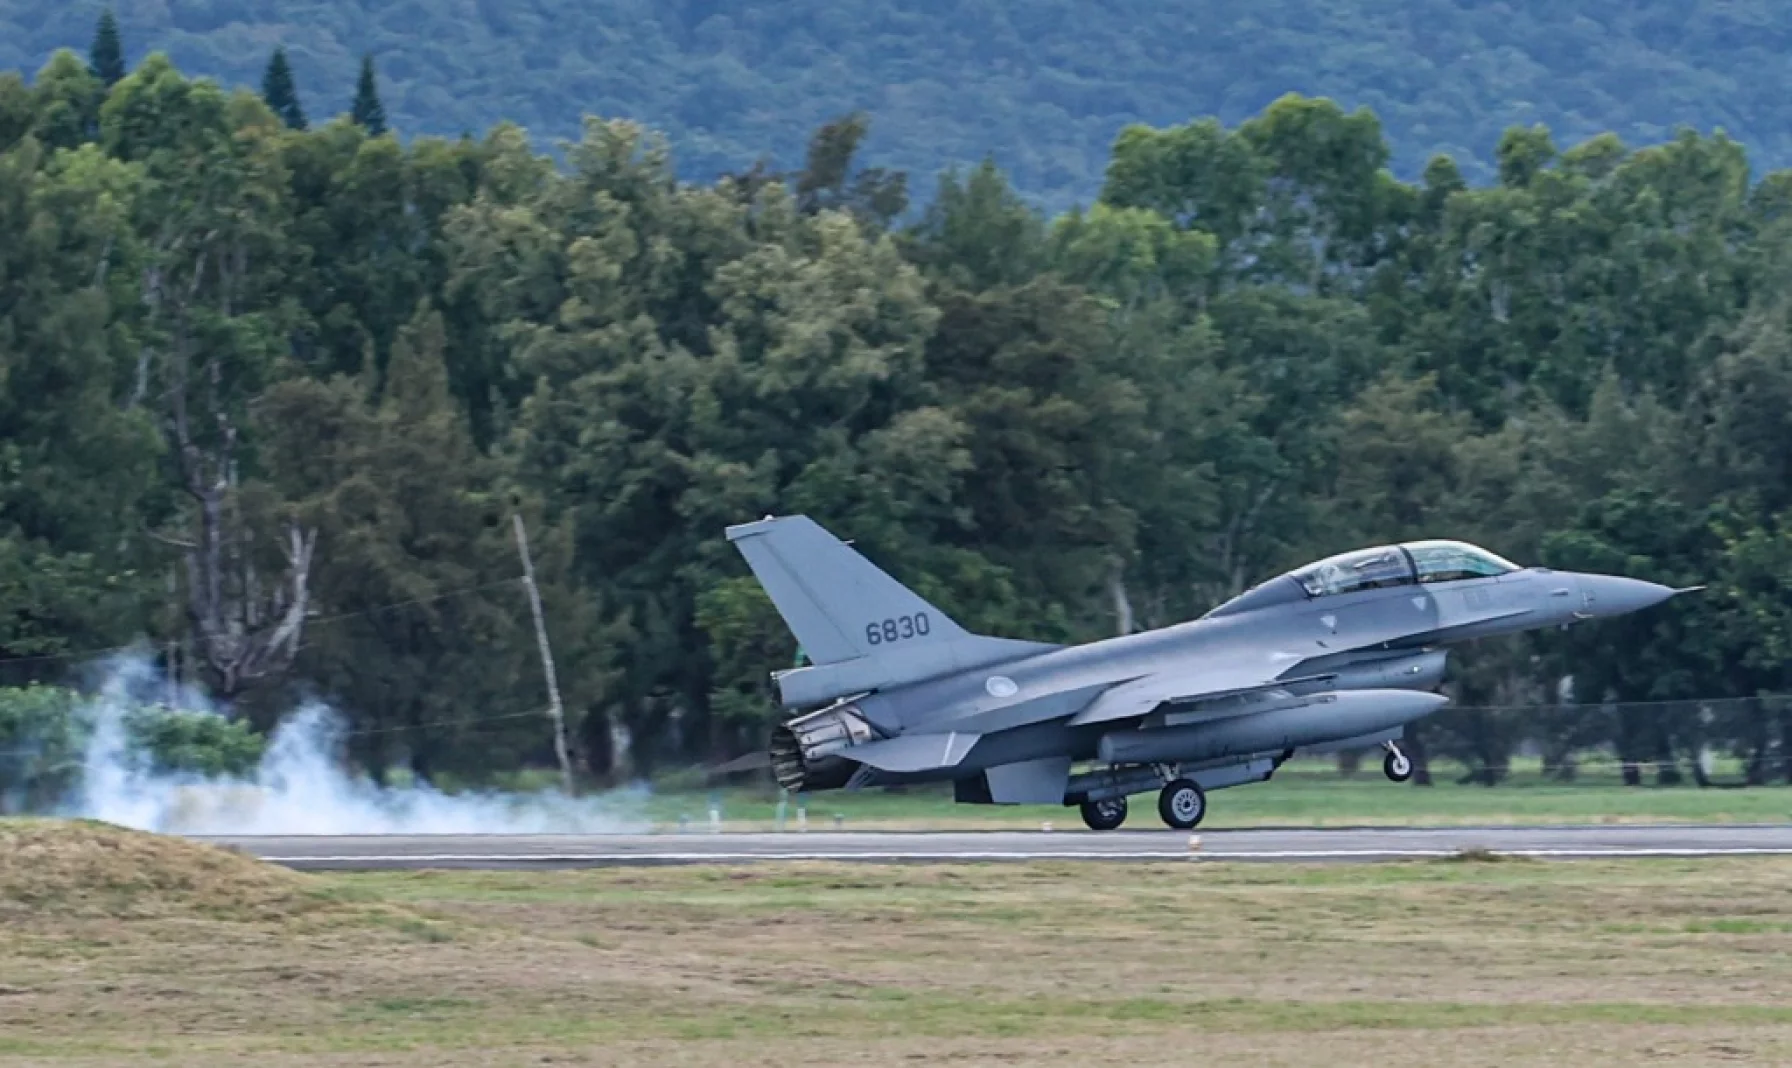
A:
x: 1667, y: 764
x: 1123, y: 615
x: 1558, y: 761
x: 1627, y: 747
x: 1754, y: 772
x: 1785, y: 717
x: 1414, y: 745
x: 421, y: 747
x: 245, y: 634
x: 1699, y: 774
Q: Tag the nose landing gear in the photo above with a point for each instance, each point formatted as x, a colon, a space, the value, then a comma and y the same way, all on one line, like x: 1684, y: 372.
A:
x: 1396, y: 765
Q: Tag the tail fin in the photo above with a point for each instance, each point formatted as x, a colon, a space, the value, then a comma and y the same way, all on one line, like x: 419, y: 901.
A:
x: 843, y: 609
x: 839, y: 605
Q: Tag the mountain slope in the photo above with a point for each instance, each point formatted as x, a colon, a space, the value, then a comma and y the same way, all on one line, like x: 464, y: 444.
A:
x: 1043, y: 85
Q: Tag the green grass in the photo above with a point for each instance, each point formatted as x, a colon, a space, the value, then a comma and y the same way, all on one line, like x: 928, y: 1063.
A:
x: 821, y: 964
x: 1309, y: 794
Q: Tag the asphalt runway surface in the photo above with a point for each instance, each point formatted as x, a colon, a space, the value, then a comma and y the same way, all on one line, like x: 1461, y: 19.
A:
x: 548, y: 851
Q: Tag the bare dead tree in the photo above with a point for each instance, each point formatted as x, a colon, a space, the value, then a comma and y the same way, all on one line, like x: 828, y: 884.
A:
x: 246, y: 628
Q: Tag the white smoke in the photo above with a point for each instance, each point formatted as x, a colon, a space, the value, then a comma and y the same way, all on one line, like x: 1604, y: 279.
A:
x: 302, y: 786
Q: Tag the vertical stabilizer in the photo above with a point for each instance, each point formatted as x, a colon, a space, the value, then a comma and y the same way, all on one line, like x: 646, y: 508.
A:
x: 844, y: 610
x: 839, y: 605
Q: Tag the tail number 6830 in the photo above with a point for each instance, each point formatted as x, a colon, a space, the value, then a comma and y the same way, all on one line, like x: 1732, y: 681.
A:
x: 896, y: 629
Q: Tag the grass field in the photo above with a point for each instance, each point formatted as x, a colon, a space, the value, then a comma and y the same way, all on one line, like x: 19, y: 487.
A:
x: 125, y: 949
x: 1312, y: 794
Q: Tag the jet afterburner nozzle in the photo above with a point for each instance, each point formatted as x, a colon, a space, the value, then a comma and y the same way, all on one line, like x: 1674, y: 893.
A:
x: 805, y: 751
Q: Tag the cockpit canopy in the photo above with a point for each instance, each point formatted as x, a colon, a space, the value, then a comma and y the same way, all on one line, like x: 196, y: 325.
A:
x: 1368, y: 569
x: 1399, y: 565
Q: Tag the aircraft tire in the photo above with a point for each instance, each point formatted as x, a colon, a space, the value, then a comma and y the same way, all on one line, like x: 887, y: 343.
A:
x: 1397, y: 766
x: 1105, y: 815
x: 1182, y: 803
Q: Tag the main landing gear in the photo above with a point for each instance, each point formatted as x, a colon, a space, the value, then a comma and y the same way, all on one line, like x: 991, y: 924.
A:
x: 1181, y: 804
x: 1105, y: 815
x: 1396, y: 765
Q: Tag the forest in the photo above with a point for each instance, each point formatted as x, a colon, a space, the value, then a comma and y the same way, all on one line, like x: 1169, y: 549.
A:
x: 276, y: 392
x: 1043, y: 86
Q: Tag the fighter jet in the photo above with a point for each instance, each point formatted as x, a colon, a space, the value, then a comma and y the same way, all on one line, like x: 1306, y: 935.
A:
x: 1341, y: 654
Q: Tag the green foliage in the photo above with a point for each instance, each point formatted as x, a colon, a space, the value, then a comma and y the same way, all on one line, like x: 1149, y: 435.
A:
x: 45, y: 732
x: 281, y: 93
x: 41, y: 740
x: 106, y: 57
x: 248, y: 363
x: 173, y: 741
x: 367, y: 112
x: 1043, y: 88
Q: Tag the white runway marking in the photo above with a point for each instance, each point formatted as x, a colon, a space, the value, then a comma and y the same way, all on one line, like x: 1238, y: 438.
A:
x: 418, y: 859
x: 1363, y: 844
x: 624, y: 858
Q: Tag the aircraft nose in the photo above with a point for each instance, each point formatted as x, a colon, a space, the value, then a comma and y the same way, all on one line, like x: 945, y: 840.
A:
x: 1614, y: 595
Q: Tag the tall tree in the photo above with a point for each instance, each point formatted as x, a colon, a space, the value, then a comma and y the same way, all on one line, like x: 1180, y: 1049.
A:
x: 106, y: 58
x: 216, y: 312
x: 68, y: 98
x: 428, y: 625
x: 368, y: 112
x: 828, y: 180
x: 281, y: 93
x: 76, y: 463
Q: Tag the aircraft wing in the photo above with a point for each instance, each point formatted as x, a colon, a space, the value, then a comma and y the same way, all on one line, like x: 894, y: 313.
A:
x: 1130, y: 700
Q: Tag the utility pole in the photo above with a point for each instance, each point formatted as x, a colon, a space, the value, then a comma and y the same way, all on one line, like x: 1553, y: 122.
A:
x: 547, y: 656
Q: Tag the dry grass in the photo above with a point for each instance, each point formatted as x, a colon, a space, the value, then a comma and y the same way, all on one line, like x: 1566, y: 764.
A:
x: 1424, y: 963
x: 53, y: 868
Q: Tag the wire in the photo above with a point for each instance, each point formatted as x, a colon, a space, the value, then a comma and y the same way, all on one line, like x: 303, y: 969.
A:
x: 104, y: 652
x: 1613, y: 705
x: 318, y: 620
x: 446, y: 724
x: 474, y: 722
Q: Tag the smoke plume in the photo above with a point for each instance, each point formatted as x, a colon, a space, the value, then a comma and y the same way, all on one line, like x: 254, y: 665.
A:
x: 301, y: 785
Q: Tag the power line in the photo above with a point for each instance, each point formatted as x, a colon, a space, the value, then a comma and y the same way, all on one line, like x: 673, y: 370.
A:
x: 103, y: 652
x: 1613, y: 705
x: 474, y: 722
x: 481, y: 588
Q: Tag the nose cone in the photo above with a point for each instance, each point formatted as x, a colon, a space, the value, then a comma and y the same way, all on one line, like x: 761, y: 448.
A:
x: 1613, y: 595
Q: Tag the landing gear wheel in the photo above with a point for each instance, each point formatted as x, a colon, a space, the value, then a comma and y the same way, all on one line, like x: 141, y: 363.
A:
x: 1104, y: 815
x: 1396, y: 766
x: 1182, y: 804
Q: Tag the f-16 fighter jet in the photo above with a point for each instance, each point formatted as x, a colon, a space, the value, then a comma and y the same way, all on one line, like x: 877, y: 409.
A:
x: 1340, y: 654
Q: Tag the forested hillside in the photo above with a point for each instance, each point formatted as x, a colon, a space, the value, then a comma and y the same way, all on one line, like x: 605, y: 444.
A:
x: 273, y: 396
x: 1044, y: 86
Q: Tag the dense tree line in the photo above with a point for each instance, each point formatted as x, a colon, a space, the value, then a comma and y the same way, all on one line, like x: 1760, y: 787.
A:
x: 274, y: 387
x: 1042, y: 85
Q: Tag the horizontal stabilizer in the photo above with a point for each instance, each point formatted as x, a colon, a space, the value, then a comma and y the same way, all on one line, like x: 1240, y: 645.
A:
x: 914, y: 752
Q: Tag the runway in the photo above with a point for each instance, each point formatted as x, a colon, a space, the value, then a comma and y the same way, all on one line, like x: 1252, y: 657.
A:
x: 550, y: 851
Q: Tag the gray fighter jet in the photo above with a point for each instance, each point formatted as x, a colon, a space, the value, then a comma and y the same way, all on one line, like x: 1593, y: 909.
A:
x: 1340, y: 654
